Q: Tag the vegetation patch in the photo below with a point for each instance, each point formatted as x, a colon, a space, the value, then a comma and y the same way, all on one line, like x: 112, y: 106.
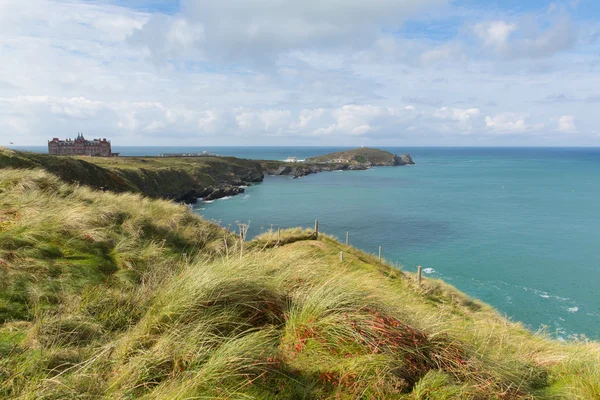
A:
x: 106, y: 295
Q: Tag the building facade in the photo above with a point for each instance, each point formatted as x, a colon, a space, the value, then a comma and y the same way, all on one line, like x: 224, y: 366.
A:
x: 80, y: 147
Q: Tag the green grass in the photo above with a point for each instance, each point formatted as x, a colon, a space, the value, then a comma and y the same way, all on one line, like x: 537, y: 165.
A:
x: 118, y: 296
x: 360, y: 155
x: 157, y: 177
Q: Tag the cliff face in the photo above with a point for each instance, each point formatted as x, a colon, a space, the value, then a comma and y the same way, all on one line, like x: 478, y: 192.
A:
x: 178, y: 179
x: 404, y: 159
x: 208, y: 178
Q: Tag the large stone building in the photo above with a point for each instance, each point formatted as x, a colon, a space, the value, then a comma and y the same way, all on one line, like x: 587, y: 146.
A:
x: 80, y: 147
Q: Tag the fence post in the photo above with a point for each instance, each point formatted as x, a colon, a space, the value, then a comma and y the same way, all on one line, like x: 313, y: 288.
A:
x: 243, y: 231
x: 379, y: 253
x: 341, y: 256
x: 419, y: 275
x: 347, y: 238
x: 278, y: 234
x: 317, y: 228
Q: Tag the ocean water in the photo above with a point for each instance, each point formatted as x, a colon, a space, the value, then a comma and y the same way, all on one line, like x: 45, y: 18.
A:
x: 518, y: 228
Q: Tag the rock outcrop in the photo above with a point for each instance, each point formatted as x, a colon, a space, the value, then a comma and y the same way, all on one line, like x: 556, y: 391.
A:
x: 404, y: 159
x: 298, y: 170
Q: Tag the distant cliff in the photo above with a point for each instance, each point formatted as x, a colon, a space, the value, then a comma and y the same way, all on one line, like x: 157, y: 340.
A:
x: 180, y: 179
x: 351, y: 160
x: 365, y: 155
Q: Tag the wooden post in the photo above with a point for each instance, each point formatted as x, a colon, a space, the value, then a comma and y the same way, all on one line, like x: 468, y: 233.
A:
x: 243, y: 231
x: 316, y: 228
x: 347, y: 238
x: 341, y: 256
x: 278, y: 234
x: 419, y: 275
x: 379, y: 253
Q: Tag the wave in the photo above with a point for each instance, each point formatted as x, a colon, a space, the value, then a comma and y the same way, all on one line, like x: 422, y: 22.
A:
x: 573, y: 310
x: 545, y: 295
x: 429, y: 271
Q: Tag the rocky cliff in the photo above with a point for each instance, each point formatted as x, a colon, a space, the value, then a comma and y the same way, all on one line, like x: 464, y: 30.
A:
x: 297, y: 170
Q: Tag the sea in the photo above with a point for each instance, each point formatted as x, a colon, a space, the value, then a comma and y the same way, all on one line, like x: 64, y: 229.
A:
x: 518, y: 228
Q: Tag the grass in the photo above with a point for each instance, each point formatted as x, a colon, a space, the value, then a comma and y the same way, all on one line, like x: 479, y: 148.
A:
x: 119, y: 296
x: 359, y: 155
x: 157, y: 177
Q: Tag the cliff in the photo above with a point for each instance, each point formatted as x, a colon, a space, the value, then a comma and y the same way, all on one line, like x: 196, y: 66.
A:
x: 106, y: 295
x: 352, y: 160
x: 297, y: 170
x: 180, y: 179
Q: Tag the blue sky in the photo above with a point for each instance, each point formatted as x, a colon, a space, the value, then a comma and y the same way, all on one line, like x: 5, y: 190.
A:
x: 317, y: 72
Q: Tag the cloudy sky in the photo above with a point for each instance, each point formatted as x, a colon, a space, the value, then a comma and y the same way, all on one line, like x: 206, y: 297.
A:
x: 311, y: 72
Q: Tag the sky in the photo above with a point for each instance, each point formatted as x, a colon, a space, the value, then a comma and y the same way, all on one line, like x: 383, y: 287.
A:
x: 301, y: 73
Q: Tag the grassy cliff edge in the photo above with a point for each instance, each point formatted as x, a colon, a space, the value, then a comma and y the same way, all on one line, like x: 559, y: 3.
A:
x: 178, y: 178
x: 106, y: 295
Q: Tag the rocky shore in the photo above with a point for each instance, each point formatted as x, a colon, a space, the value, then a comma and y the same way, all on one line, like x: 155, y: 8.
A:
x: 298, y: 170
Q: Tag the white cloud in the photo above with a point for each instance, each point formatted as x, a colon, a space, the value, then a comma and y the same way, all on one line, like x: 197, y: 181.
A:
x: 530, y: 37
x: 494, y: 33
x: 230, y: 30
x: 511, y: 123
x: 566, y: 124
x: 266, y: 72
x: 457, y: 114
x: 469, y: 120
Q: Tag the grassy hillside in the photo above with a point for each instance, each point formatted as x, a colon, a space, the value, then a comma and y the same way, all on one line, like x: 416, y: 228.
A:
x: 108, y: 295
x: 179, y: 178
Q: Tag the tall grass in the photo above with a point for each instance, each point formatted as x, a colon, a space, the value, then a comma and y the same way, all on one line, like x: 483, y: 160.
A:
x: 98, y: 300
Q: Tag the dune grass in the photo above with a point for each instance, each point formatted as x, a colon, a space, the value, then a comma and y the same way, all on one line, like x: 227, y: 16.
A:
x: 118, y: 296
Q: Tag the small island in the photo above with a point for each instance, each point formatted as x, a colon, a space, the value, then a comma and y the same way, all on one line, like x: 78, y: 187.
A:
x: 358, y: 159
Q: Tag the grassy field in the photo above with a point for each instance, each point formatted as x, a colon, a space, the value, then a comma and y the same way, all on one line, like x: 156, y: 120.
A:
x: 119, y: 296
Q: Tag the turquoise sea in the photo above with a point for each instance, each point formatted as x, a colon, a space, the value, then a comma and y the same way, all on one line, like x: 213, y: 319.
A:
x: 518, y: 228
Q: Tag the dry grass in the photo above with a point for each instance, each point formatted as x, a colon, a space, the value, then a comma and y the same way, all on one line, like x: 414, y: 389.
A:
x: 98, y: 300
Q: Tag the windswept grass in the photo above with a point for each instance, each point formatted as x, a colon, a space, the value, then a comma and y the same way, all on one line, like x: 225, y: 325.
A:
x: 119, y: 296
x: 177, y: 178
